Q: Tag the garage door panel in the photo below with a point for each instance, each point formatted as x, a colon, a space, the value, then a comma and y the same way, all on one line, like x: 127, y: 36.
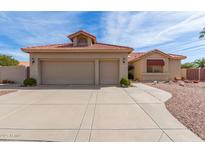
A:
x: 109, y: 72
x: 54, y: 72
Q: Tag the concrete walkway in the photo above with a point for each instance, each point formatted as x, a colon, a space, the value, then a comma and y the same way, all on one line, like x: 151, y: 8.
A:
x: 152, y: 102
x: 90, y: 114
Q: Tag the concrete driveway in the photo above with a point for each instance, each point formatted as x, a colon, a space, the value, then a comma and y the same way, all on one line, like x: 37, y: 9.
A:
x: 89, y: 114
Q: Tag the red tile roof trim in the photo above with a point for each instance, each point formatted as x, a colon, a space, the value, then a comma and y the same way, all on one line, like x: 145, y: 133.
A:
x: 70, y: 46
x: 23, y: 63
x: 137, y: 55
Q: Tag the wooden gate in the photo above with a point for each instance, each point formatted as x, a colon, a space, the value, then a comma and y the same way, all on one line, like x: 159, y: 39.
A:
x: 202, y: 74
x: 193, y: 74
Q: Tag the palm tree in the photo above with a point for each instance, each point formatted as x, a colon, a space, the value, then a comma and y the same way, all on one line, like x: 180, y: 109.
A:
x: 200, y: 63
x: 188, y: 65
x: 202, y: 33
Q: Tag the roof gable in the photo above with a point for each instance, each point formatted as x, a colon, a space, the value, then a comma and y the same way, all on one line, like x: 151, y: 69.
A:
x: 74, y: 47
x: 139, y: 55
x: 84, y: 33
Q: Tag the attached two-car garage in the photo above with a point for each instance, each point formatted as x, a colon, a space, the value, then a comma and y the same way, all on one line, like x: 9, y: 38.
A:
x: 79, y: 72
x: 82, y: 60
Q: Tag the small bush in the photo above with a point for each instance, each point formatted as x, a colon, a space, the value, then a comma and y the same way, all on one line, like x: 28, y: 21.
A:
x: 30, y: 82
x: 125, y: 82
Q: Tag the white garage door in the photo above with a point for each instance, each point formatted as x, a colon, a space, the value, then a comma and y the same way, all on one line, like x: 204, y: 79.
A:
x: 109, y: 72
x: 64, y: 72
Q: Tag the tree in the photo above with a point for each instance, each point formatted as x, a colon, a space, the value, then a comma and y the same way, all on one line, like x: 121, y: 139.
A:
x: 8, y: 61
x: 188, y: 65
x: 200, y: 63
x: 202, y: 33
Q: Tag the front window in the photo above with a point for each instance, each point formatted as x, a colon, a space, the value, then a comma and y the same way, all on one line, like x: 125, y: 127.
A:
x: 82, y: 41
x: 155, y: 65
x: 155, y: 69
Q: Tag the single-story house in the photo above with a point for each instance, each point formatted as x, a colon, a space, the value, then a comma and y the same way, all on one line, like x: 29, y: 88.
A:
x: 82, y: 61
x: 155, y: 65
x: 24, y: 63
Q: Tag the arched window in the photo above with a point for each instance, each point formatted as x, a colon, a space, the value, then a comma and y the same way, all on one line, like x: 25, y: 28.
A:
x: 82, y: 41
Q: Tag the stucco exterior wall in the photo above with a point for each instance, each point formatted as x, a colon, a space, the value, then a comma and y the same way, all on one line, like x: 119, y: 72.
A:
x: 171, y: 69
x: 137, y: 70
x: 13, y: 73
x: 174, y: 69
x: 155, y: 76
x: 35, y: 68
x: 183, y: 73
x: 155, y: 56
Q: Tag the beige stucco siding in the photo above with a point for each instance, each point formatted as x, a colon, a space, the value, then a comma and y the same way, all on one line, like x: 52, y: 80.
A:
x: 13, y: 73
x: 171, y: 68
x: 183, y: 73
x: 155, y: 56
x: 137, y: 70
x: 174, y: 69
x: 35, y: 68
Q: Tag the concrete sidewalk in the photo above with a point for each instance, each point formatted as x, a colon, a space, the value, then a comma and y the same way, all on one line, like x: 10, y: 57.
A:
x: 90, y: 114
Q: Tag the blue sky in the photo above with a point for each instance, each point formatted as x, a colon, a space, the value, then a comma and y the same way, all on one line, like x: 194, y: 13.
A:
x: 172, y: 32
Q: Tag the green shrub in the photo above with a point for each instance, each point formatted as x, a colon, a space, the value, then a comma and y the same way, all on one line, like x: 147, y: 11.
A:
x: 125, y: 82
x: 8, y: 61
x: 30, y: 82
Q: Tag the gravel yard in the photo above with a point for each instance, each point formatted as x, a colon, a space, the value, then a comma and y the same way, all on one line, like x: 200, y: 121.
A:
x: 187, y: 104
x: 4, y: 92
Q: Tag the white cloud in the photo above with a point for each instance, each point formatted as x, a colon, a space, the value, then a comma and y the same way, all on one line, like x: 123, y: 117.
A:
x: 16, y: 53
x: 175, y: 32
x: 34, y: 28
x: 144, y: 29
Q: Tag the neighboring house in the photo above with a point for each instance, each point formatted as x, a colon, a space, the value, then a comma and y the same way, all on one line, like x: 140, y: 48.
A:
x: 83, y: 61
x: 155, y: 65
x: 24, y: 63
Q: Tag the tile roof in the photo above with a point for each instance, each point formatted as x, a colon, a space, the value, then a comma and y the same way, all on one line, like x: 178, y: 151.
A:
x: 23, y: 63
x: 70, y: 46
x: 137, y: 55
x: 71, y: 36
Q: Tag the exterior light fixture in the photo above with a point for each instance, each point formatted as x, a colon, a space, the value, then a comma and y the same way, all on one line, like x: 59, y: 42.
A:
x: 32, y: 60
x: 123, y: 60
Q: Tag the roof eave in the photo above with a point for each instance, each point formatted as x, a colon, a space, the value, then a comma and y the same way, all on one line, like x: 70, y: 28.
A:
x: 158, y: 51
x: 43, y: 50
x: 180, y: 58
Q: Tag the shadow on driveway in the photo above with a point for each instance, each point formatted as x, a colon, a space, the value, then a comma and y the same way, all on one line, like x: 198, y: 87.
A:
x: 50, y: 87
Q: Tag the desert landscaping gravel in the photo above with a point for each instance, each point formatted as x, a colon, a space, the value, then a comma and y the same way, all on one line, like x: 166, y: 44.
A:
x: 187, y: 104
x: 4, y: 92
